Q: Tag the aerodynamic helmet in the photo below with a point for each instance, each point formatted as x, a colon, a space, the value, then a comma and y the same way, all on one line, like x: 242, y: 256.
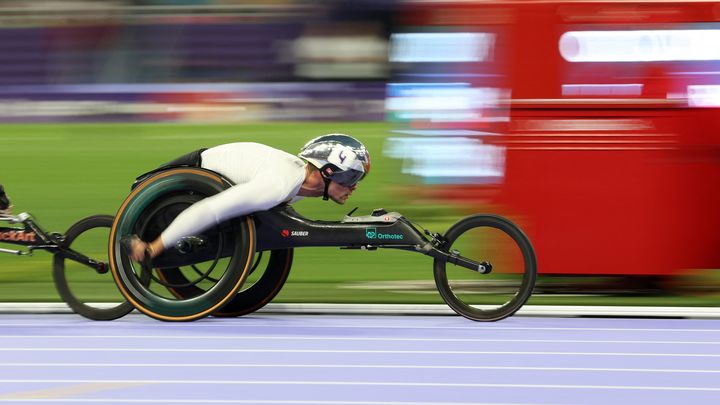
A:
x: 346, y: 157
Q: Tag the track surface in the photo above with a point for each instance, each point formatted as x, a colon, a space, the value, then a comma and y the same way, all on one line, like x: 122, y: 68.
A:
x: 323, y: 359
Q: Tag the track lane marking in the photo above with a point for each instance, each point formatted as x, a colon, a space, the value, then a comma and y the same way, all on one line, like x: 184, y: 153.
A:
x: 354, y: 366
x: 464, y: 352
x: 370, y: 339
x: 203, y: 323
x: 256, y: 401
x: 362, y: 383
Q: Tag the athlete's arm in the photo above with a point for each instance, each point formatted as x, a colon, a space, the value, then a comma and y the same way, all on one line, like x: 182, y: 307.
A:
x: 257, y: 195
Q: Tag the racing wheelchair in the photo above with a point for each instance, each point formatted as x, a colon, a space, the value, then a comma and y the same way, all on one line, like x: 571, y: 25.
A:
x: 205, y: 274
x: 81, y: 248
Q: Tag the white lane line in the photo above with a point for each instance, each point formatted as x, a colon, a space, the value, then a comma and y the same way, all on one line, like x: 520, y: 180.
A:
x: 475, y: 327
x: 420, y: 309
x: 251, y: 401
x: 304, y: 351
x: 362, y: 383
x: 369, y: 339
x: 355, y: 366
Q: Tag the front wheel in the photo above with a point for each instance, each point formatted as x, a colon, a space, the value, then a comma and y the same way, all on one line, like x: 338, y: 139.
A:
x: 86, y: 292
x: 493, y: 296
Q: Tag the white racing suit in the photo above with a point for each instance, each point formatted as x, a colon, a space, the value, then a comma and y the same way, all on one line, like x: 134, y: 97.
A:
x: 264, y: 177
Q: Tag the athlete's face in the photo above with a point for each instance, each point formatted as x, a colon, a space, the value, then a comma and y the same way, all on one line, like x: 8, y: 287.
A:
x: 340, y: 193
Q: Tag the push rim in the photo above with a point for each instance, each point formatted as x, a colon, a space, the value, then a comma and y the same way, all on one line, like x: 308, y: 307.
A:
x: 126, y: 274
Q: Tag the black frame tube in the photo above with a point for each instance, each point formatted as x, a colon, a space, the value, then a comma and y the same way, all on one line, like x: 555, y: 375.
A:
x: 32, y: 236
x: 282, y: 227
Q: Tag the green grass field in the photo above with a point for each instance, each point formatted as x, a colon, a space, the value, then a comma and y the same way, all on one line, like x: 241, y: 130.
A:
x: 61, y: 173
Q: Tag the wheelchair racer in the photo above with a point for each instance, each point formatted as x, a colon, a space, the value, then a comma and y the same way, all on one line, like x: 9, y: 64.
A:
x: 329, y: 166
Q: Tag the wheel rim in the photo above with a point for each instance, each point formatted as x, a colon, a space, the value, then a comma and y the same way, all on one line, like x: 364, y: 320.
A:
x: 87, y: 292
x: 128, y: 274
x: 488, y: 296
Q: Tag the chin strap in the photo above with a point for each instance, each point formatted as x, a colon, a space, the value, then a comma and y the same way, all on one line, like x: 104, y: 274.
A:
x: 328, y: 167
x: 327, y: 186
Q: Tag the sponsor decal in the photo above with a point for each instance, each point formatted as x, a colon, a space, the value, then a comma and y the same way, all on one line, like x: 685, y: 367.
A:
x: 286, y: 233
x: 17, y: 236
x: 372, y: 233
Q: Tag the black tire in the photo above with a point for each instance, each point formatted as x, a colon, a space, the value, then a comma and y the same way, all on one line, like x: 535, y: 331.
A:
x: 494, y: 296
x: 249, y: 299
x: 262, y: 291
x: 77, y: 304
x: 139, y: 212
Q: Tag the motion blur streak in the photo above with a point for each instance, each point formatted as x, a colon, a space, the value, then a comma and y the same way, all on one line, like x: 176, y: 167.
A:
x: 593, y: 124
x: 640, y: 45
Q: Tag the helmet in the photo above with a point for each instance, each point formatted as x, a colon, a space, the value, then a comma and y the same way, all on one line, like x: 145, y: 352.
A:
x: 346, y: 156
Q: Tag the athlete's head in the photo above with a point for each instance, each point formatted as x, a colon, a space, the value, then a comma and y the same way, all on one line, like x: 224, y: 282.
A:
x: 342, y: 161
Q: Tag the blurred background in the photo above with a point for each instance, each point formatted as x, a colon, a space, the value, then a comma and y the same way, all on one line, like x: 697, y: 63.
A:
x: 592, y: 125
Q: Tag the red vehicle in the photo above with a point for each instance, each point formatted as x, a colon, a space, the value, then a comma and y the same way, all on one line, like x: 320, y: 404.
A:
x: 606, y: 133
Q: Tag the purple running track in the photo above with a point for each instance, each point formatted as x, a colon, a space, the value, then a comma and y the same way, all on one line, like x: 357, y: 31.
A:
x: 373, y: 360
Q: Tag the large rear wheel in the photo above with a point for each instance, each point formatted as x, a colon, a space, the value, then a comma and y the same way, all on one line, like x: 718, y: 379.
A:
x: 267, y: 277
x: 220, y: 266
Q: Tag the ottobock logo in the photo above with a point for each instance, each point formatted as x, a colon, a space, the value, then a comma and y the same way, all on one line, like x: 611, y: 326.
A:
x: 286, y: 233
x: 18, y: 236
x: 372, y: 233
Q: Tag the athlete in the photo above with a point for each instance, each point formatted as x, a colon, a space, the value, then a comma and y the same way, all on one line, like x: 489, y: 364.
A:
x: 329, y: 166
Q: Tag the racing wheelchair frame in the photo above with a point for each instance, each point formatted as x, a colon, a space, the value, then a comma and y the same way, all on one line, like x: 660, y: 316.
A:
x: 166, y: 289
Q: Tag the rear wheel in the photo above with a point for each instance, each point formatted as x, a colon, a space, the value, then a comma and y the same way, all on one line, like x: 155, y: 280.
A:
x: 267, y: 277
x: 217, y: 269
x: 88, y: 293
x: 262, y: 286
x: 494, y: 296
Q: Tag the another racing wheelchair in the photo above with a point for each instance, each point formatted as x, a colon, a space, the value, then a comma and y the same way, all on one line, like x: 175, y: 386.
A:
x: 204, y: 274
x: 79, y: 259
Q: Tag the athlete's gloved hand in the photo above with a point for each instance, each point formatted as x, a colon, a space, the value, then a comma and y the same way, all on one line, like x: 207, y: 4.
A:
x: 136, y: 248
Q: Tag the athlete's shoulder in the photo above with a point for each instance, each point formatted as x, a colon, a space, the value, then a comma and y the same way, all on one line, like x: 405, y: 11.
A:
x: 254, y: 148
x: 241, y: 146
